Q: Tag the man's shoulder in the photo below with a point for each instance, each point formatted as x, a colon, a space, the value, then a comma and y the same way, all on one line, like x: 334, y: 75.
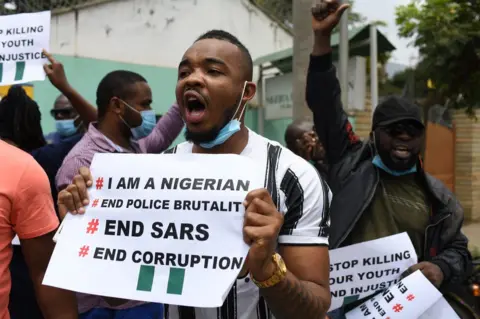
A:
x: 288, y: 166
x: 83, y: 149
x: 13, y: 159
x: 10, y: 153
x: 79, y: 156
x: 289, y: 162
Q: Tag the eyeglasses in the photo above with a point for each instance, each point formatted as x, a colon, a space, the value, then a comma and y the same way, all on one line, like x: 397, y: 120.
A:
x: 64, y: 113
x: 401, y: 128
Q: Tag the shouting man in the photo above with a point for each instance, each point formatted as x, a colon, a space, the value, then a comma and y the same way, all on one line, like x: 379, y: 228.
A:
x: 286, y: 224
x: 379, y: 185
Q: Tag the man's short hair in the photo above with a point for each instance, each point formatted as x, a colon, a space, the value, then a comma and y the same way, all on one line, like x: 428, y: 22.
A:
x: 115, y: 84
x: 225, y: 36
x: 290, y: 138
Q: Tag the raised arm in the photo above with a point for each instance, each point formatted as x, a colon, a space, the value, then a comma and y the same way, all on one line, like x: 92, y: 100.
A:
x: 35, y: 221
x: 164, y: 133
x: 56, y: 75
x: 302, y: 290
x: 323, y: 92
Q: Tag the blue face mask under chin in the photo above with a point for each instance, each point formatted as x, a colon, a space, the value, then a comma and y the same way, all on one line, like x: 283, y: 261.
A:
x: 149, y: 121
x: 66, y: 128
x: 377, y: 161
x: 229, y: 129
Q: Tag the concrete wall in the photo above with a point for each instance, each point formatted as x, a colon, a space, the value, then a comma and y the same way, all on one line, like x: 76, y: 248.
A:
x: 157, y: 32
x: 149, y: 37
x: 467, y: 164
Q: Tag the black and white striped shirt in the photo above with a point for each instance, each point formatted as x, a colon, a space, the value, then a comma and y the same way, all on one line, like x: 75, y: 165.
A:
x: 304, y: 199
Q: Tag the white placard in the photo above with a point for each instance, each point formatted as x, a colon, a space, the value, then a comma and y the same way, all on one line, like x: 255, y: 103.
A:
x: 440, y: 310
x: 360, y: 270
x: 22, y: 39
x: 160, y: 228
x: 409, y: 298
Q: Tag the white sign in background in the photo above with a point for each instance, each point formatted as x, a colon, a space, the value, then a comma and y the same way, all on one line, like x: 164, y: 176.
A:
x: 409, y: 298
x: 360, y: 270
x: 173, y: 239
x: 278, y: 101
x: 278, y: 97
x: 22, y: 39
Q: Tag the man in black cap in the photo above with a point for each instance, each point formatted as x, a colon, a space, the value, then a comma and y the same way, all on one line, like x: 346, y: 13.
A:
x: 379, y: 187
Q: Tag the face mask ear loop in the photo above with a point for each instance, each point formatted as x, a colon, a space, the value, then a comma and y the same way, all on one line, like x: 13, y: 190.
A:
x: 240, y: 103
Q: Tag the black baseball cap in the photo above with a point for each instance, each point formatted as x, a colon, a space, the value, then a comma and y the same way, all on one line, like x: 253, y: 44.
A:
x: 395, y: 109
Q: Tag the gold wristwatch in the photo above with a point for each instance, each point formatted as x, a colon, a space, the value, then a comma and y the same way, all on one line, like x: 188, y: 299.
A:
x: 277, y: 276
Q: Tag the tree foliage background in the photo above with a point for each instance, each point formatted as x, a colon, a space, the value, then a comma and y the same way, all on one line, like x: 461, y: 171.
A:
x: 447, y: 34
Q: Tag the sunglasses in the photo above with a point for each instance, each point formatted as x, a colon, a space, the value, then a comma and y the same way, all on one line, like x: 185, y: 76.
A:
x: 401, y: 128
x: 62, y: 112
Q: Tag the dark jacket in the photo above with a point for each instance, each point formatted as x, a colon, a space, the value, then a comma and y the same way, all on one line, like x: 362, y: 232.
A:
x: 353, y: 179
x: 51, y: 156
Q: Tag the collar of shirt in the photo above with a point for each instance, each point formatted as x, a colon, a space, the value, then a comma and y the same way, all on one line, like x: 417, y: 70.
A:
x: 106, y: 144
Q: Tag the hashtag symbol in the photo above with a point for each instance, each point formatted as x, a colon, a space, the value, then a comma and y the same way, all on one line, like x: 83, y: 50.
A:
x: 92, y: 226
x: 410, y: 297
x: 84, y: 251
x: 397, y: 308
x: 95, y: 203
x: 99, y: 183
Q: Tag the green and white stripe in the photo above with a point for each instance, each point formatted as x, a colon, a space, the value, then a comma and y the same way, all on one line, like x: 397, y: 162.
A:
x: 176, y: 279
x: 19, y: 71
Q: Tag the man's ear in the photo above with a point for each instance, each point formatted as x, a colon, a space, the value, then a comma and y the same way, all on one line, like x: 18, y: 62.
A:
x: 250, y: 91
x: 116, y: 106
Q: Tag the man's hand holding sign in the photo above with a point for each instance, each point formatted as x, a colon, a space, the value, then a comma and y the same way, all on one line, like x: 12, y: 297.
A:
x: 431, y: 271
x: 285, y: 293
x: 282, y: 289
x: 261, y: 229
x: 74, y: 198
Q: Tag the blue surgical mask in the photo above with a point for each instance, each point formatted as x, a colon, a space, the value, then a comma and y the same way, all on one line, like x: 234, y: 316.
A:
x: 149, y: 121
x: 377, y: 161
x: 232, y: 127
x: 66, y: 128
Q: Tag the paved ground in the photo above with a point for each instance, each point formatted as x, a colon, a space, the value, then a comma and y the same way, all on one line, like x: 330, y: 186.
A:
x: 472, y: 231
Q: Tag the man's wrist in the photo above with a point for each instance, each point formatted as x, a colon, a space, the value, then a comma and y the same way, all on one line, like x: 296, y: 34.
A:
x: 321, y: 45
x: 266, y: 272
x: 66, y: 89
x: 321, y: 63
x: 444, y: 268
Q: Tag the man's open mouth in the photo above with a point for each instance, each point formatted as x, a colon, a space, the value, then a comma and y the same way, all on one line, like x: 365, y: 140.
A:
x: 195, y: 107
x: 401, y: 151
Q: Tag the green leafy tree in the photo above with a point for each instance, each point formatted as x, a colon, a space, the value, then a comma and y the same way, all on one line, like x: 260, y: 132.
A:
x: 447, y: 34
